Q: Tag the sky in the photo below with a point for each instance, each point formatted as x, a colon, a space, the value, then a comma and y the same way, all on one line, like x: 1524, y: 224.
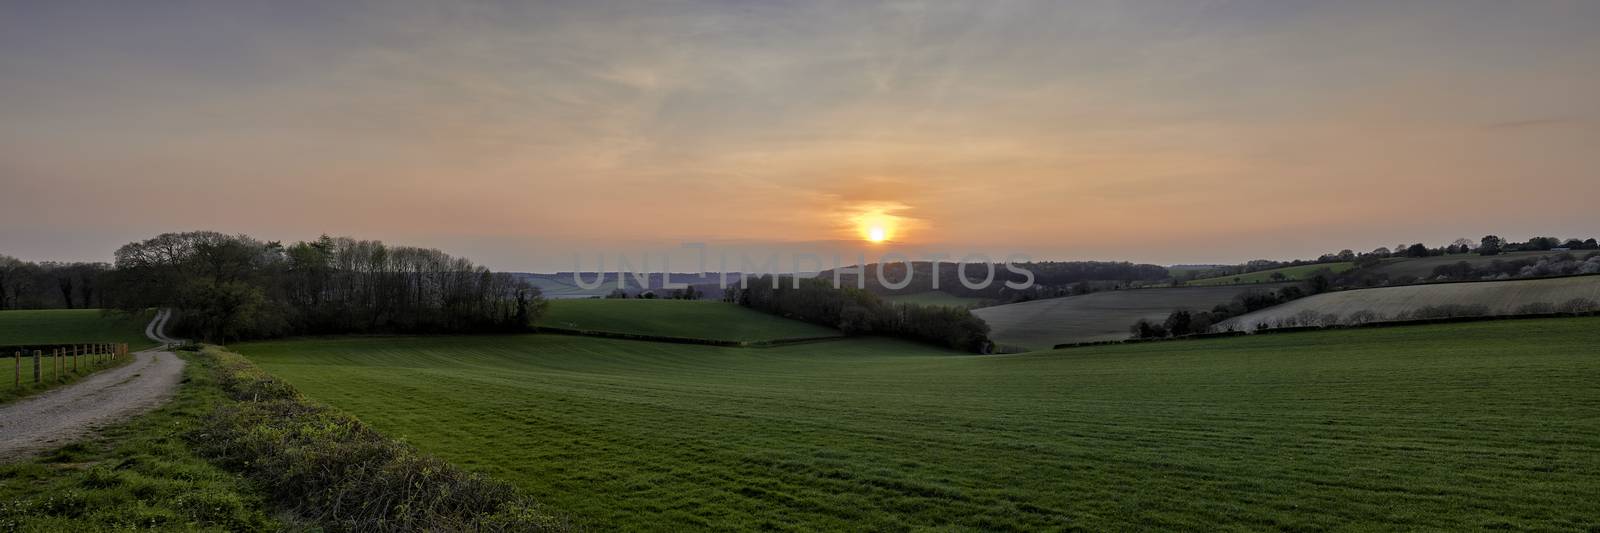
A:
x: 523, y: 134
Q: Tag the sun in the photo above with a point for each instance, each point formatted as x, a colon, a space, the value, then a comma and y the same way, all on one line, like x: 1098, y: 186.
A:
x: 876, y: 234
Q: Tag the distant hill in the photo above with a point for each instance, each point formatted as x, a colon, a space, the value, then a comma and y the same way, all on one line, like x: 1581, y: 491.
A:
x: 1100, y: 316
x: 1493, y: 297
x: 1292, y: 273
x: 561, y: 286
x: 1422, y: 267
x: 678, y: 318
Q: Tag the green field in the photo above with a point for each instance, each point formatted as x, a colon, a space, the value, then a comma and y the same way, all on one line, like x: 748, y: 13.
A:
x: 933, y: 298
x: 1265, y: 276
x: 51, y: 326
x: 48, y: 326
x: 1462, y: 426
x: 678, y: 318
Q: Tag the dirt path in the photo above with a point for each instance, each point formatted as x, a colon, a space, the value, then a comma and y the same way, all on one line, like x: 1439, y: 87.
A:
x: 63, y: 415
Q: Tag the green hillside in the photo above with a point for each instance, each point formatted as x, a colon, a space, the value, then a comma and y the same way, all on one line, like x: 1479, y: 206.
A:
x: 1447, y: 427
x: 678, y: 318
x: 48, y: 326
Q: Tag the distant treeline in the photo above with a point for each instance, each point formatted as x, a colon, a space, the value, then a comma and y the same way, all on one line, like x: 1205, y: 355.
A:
x: 1488, y: 245
x: 1050, y: 278
x: 856, y: 311
x: 231, y: 287
x: 50, y: 285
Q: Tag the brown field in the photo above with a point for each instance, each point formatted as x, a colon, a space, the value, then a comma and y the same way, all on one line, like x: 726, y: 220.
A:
x: 1499, y: 297
x: 1101, y: 316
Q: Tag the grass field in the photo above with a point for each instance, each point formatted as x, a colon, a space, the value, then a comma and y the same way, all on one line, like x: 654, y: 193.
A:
x: 1100, y: 316
x: 1463, y: 426
x: 1498, y: 297
x: 1265, y: 276
x: 934, y: 298
x: 678, y: 318
x: 73, y: 326
x: 77, y: 326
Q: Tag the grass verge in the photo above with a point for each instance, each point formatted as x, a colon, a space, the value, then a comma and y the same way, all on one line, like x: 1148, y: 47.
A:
x: 337, y: 472
x: 235, y: 442
x: 144, y: 474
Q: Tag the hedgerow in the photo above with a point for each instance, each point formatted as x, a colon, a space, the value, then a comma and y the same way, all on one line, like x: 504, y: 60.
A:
x: 331, y: 469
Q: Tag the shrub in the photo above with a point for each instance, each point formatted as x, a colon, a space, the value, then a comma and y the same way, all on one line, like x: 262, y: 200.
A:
x: 1362, y: 317
x: 1536, y: 308
x: 1446, y: 311
x: 332, y: 469
x: 1578, y: 305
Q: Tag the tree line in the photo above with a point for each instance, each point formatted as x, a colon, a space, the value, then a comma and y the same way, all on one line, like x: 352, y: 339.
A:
x: 50, y: 285
x: 232, y: 287
x: 857, y: 311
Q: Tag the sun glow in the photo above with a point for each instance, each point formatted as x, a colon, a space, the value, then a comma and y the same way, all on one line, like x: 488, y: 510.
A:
x: 876, y: 234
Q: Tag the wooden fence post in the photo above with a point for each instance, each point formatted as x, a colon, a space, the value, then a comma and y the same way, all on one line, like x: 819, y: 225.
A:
x: 56, y: 358
x: 36, y: 355
x: 18, y: 358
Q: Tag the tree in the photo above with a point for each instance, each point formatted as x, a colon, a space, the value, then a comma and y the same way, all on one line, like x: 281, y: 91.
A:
x: 1463, y: 245
x: 1382, y: 252
x: 1417, y: 250
x: 1347, y: 255
x: 235, y: 287
x: 1178, y: 323
x: 1278, y: 276
x: 1490, y: 245
x: 1543, y: 243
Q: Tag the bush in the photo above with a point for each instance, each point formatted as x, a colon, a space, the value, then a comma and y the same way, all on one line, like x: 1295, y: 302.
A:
x: 1536, y: 308
x: 1445, y: 311
x: 856, y: 311
x: 332, y: 469
x: 1578, y: 305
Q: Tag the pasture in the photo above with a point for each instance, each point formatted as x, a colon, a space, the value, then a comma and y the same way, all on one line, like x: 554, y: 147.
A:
x: 1265, y: 276
x: 68, y: 326
x: 678, y: 318
x: 1099, y: 316
x: 1460, y: 426
x: 47, y: 326
x: 1497, y: 297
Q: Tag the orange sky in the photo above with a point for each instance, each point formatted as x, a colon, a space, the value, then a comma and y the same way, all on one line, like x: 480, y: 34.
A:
x: 520, y: 135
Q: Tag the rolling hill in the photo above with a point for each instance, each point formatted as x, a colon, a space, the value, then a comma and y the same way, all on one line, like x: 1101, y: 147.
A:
x: 1265, y: 276
x: 1422, y: 267
x: 1497, y: 297
x: 1441, y: 427
x: 1100, y: 316
x: 689, y: 319
x: 933, y: 298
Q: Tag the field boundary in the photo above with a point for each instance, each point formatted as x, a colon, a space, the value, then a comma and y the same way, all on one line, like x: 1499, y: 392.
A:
x: 684, y: 340
x: 1302, y: 329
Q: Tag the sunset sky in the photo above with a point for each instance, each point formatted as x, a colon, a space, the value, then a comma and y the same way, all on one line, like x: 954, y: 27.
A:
x: 519, y: 134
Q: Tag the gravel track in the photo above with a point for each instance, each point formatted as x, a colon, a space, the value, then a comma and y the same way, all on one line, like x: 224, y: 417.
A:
x: 61, y: 416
